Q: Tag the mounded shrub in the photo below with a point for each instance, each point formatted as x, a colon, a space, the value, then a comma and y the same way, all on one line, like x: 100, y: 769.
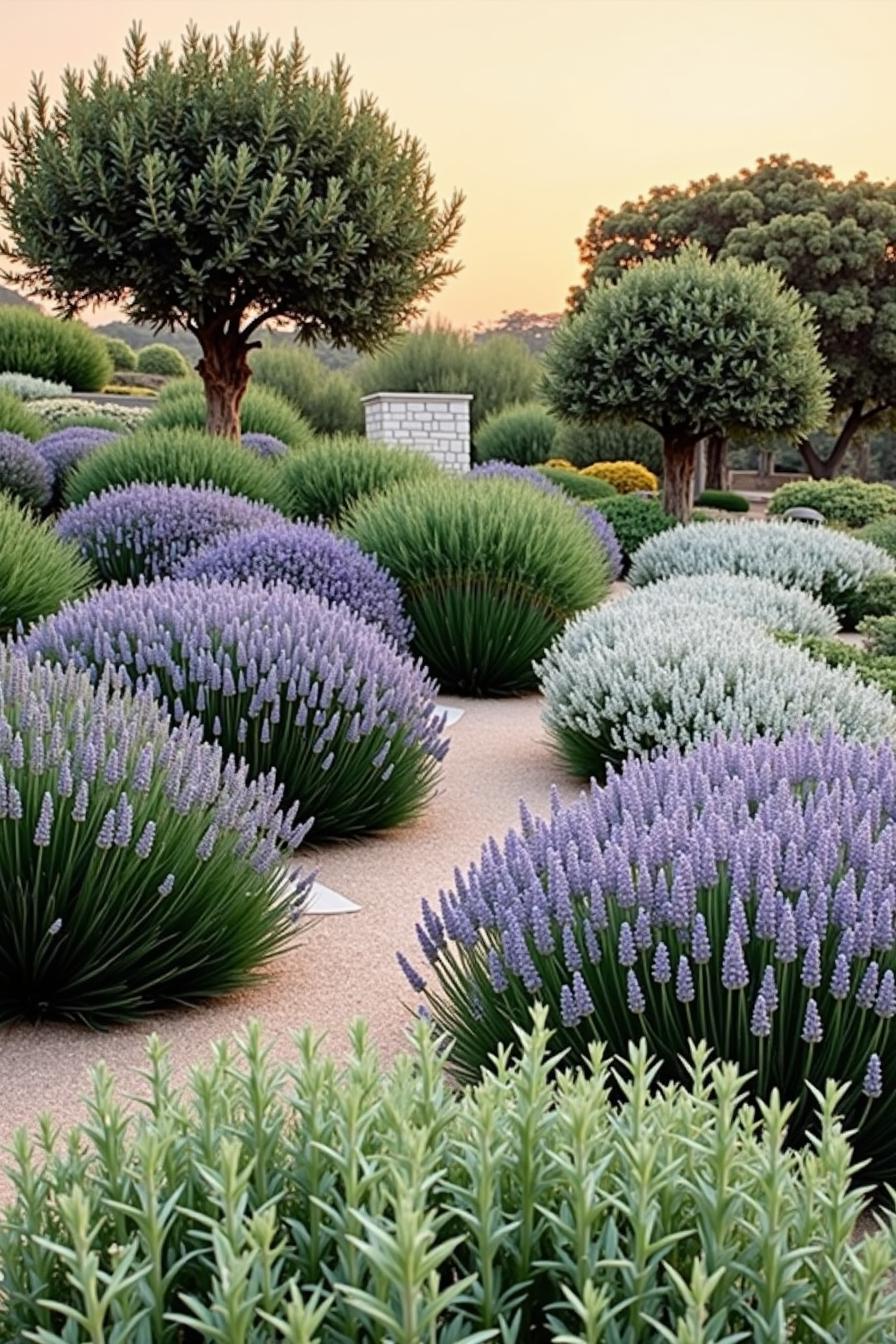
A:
x: 64, y: 448
x: 882, y: 533
x: 729, y: 501
x: 844, y: 500
x: 522, y: 434
x: 599, y: 524
x: 742, y: 894
x: 176, y: 457
x: 17, y: 418
x: 163, y: 360
x: 38, y: 572
x: 610, y: 441
x: 48, y: 347
x: 278, y: 677
x: 24, y: 475
x: 324, y: 482
x: 625, y: 477
x: 640, y: 675
x: 775, y: 607
x: 828, y: 564
x: 139, y: 869
x: 27, y: 388
x: 880, y: 632
x: 876, y: 597
x: 63, y: 412
x: 124, y: 359
x: 181, y: 405
x: 330, y: 401
x: 634, y: 519
x: 311, y: 559
x: 576, y: 483
x: 265, y: 445
x: 875, y: 669
x: 147, y: 531
x: 545, y: 1204
x: 490, y: 569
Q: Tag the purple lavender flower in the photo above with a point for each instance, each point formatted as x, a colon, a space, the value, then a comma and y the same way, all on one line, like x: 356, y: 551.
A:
x: 873, y: 1084
x: 64, y: 449
x: 866, y: 993
x: 23, y: 472
x: 734, y: 968
x: 885, y: 1003
x: 584, y: 1004
x: 701, y: 950
x: 839, y: 987
x: 684, y: 982
x: 626, y: 952
x: 812, y: 1031
x: 634, y: 995
x: 147, y: 531
x: 265, y: 445
x: 761, y: 1022
x: 413, y: 977
x: 769, y: 989
x: 661, y: 970
x: 312, y: 559
x: 569, y: 1013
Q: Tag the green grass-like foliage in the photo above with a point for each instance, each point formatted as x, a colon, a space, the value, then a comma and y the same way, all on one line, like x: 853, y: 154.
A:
x: 162, y: 359
x: 609, y: 441
x: 327, y: 399
x: 542, y: 1206
x: 490, y: 569
x: 124, y: 359
x: 524, y: 435
x: 585, y: 488
x: 845, y: 500
x: 38, y: 572
x: 138, y: 868
x: 176, y: 456
x: 181, y: 405
x: 728, y: 500
x: 46, y: 347
x: 634, y: 520
x: 325, y: 481
x: 17, y: 418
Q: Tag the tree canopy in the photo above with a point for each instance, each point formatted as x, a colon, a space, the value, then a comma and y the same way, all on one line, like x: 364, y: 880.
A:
x: 691, y: 347
x: 833, y: 241
x: 218, y: 189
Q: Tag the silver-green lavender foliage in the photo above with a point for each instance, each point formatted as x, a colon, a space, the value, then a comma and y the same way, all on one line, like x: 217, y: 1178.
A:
x: 828, y: 564
x: 775, y: 607
x: 316, y: 1203
x: 27, y: 387
x: 631, y: 677
x: 139, y: 866
x: 57, y: 412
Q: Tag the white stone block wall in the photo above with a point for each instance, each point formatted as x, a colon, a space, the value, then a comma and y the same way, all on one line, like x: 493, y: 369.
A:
x: 434, y: 423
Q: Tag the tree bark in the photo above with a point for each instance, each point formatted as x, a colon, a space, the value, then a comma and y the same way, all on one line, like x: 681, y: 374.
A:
x: 716, y: 462
x: 224, y: 370
x: 678, y: 477
x: 826, y: 468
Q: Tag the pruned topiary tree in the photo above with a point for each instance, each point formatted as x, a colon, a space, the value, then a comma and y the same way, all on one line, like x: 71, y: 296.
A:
x: 218, y: 189
x: 691, y: 347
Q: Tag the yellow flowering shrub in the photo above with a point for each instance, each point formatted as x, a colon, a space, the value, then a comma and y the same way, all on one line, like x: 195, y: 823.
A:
x: 560, y: 462
x: 624, y: 476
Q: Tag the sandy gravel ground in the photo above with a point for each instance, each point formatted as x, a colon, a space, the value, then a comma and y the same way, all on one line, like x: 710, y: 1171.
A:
x: 344, y: 965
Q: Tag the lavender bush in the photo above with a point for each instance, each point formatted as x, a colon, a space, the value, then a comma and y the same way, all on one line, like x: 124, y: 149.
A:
x: 138, y: 867
x: 24, y: 476
x: 743, y: 894
x: 314, y: 560
x: 601, y: 525
x: 147, y: 531
x: 266, y: 445
x: 278, y: 677
x: 64, y: 448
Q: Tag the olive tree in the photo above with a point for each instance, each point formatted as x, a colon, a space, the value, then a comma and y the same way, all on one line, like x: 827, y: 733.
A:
x: 691, y: 347
x: 220, y: 188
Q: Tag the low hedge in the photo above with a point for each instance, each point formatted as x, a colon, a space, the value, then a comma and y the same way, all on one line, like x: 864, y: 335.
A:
x: 845, y: 500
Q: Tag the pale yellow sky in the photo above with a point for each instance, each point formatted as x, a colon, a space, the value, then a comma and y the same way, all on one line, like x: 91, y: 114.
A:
x: 541, y: 109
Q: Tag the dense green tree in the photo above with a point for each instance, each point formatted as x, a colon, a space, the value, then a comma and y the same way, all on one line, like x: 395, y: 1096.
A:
x: 691, y: 347
x: 219, y: 189
x: 834, y: 242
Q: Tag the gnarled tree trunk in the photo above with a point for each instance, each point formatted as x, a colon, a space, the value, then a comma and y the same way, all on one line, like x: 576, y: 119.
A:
x: 716, y: 462
x: 826, y: 468
x: 678, y: 477
x: 224, y: 370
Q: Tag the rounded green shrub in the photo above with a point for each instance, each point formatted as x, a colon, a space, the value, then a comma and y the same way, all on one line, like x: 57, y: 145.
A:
x: 48, y: 347
x: 882, y: 533
x: 38, y: 572
x: 634, y: 520
x: 327, y: 479
x: 181, y: 405
x: 609, y: 441
x: 522, y: 434
x: 727, y: 500
x: 17, y: 418
x: 327, y: 399
x: 586, y: 488
x: 844, y: 500
x: 491, y: 570
x: 875, y: 597
x: 139, y: 868
x: 124, y: 359
x: 162, y: 359
x: 176, y: 457
x: 548, y: 1203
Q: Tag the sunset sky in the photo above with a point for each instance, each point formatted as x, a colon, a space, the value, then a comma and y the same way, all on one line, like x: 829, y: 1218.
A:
x: 538, y: 110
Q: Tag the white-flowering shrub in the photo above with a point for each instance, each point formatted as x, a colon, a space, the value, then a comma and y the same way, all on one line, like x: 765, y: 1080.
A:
x: 28, y: 388
x: 59, y: 411
x: 828, y: 564
x: 629, y: 678
x: 774, y: 606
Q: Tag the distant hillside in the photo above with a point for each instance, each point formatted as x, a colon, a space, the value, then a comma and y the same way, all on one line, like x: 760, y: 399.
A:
x: 139, y: 336
x: 16, y: 300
